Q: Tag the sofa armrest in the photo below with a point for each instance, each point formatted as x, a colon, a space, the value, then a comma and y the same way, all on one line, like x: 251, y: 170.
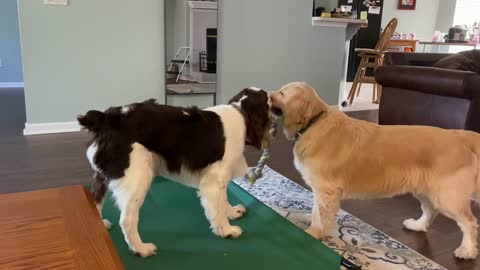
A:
x: 429, y: 80
x: 413, y: 59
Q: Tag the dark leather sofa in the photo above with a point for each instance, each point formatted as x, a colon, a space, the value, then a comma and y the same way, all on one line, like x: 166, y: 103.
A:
x: 415, y: 93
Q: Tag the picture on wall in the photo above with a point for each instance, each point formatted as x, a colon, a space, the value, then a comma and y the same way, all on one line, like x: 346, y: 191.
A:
x: 407, y: 4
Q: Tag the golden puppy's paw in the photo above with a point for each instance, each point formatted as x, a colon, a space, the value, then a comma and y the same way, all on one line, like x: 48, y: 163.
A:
x: 228, y: 231
x: 415, y: 225
x: 236, y: 212
x: 145, y: 250
x: 467, y: 253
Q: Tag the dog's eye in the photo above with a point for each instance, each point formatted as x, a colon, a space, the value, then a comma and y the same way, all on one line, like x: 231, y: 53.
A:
x: 281, y: 93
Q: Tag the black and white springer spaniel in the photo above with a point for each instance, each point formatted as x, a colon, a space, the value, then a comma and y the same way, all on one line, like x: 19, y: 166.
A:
x: 198, y: 148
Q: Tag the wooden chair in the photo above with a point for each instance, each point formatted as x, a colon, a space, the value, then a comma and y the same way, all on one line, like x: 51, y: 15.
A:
x: 367, y: 55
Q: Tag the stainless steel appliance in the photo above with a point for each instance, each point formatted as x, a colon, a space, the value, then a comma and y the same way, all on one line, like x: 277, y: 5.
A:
x: 457, y: 34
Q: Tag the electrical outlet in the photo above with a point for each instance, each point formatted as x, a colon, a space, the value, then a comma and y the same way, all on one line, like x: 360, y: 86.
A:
x: 56, y: 2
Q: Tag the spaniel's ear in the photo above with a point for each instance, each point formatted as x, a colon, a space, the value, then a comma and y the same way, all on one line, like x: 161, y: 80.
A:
x: 253, y: 102
x: 92, y: 121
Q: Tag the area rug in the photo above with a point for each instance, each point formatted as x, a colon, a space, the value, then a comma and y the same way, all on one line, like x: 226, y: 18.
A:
x: 352, y: 238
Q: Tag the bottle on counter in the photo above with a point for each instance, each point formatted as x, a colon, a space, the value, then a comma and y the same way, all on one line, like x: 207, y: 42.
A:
x: 476, y: 32
x: 436, y: 36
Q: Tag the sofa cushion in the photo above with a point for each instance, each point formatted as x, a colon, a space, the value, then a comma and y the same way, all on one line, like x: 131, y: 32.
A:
x: 467, y: 61
x: 430, y: 80
x: 409, y: 107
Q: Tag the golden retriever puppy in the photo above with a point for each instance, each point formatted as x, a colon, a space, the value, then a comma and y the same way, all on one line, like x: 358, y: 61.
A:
x: 343, y: 158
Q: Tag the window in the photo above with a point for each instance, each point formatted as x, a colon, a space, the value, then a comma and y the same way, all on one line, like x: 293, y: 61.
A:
x: 466, y: 12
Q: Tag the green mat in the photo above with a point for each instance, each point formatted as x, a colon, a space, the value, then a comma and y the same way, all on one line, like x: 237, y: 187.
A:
x: 173, y: 219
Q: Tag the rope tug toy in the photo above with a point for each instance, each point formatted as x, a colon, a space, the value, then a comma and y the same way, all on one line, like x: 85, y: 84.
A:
x: 257, y: 172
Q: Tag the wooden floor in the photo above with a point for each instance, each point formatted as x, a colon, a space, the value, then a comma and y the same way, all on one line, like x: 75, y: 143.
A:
x: 36, y: 162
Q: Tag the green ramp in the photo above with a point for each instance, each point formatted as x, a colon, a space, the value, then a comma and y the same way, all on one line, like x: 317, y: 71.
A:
x: 173, y: 219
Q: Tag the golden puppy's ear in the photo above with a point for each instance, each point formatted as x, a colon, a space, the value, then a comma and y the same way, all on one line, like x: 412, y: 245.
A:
x: 312, y: 103
x: 300, y: 108
x: 295, y: 113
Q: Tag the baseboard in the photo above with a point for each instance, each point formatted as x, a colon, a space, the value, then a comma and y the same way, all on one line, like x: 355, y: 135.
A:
x: 334, y: 107
x: 49, y: 128
x: 11, y: 84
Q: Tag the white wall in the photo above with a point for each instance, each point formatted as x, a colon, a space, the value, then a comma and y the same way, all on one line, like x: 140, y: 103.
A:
x: 268, y: 43
x: 10, y: 54
x: 422, y: 20
x: 329, y: 5
x: 445, y: 15
x: 90, y: 55
x: 176, y: 26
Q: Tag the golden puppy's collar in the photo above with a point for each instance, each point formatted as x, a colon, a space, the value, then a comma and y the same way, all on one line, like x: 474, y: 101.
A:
x: 309, y: 124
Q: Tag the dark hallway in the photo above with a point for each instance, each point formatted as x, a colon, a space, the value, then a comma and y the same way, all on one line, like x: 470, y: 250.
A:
x: 12, y: 111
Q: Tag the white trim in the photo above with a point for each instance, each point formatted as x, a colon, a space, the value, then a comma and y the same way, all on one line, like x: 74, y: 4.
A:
x: 202, y: 5
x: 48, y: 128
x: 11, y: 84
x: 336, y: 22
x: 335, y: 107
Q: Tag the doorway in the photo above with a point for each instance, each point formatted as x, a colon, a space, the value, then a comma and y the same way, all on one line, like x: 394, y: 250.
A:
x: 12, y: 99
x: 191, y: 53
